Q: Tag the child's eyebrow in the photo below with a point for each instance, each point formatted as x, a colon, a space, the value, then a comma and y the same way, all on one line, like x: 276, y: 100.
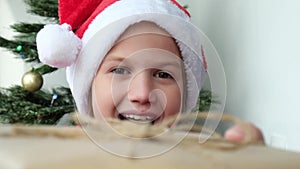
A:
x: 114, y: 58
x: 174, y: 63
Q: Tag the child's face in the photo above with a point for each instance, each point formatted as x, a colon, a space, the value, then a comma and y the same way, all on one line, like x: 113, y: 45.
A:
x: 140, y: 79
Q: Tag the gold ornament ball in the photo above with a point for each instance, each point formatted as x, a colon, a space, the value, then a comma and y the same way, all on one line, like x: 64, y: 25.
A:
x: 32, y: 81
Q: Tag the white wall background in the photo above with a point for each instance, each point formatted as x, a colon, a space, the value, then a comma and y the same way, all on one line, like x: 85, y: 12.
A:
x: 11, y: 70
x: 258, y: 43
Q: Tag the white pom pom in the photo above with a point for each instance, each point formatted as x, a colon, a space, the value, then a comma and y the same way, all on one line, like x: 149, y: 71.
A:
x: 57, y: 45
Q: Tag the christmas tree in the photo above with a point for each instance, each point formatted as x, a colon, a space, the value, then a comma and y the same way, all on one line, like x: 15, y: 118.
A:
x: 27, y: 104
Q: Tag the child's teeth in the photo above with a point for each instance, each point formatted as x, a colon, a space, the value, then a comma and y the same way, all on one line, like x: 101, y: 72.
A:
x: 137, y: 117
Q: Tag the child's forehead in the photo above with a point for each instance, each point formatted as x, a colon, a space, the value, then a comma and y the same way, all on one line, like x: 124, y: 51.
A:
x: 141, y: 37
x: 149, y: 42
x: 143, y: 27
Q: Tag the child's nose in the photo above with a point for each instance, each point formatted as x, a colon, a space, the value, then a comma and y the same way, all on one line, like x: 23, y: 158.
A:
x: 140, y: 88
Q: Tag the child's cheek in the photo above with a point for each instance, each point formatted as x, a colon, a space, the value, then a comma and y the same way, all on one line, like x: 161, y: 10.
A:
x: 103, y: 104
x: 174, y: 103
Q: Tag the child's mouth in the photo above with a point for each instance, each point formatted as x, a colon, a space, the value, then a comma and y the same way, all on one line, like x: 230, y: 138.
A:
x: 138, y: 118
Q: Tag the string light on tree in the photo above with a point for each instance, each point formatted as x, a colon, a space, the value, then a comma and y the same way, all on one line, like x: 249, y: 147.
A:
x: 19, y: 48
x: 32, y: 81
x: 54, y: 97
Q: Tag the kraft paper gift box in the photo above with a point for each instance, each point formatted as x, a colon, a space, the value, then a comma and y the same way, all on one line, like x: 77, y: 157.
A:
x: 36, y: 147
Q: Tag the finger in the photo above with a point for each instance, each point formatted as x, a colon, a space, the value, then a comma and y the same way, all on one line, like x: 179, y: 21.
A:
x: 237, y: 133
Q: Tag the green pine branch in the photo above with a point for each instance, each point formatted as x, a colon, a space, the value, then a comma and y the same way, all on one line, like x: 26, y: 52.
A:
x: 28, y: 51
x: 205, y: 99
x: 45, y: 8
x: 20, y: 106
x: 45, y: 69
x: 27, y: 27
x: 26, y: 31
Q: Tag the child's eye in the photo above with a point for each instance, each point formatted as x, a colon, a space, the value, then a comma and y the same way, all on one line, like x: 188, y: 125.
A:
x: 163, y: 75
x: 120, y: 70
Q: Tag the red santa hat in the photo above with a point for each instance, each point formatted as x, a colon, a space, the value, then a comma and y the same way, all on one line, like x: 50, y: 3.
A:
x: 88, y: 30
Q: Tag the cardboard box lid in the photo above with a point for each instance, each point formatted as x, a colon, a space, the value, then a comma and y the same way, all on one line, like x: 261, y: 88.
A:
x: 70, y: 148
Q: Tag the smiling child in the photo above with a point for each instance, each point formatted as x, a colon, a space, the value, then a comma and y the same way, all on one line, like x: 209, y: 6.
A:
x: 134, y: 60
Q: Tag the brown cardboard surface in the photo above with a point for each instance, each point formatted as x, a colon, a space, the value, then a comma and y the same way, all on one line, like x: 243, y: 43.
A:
x: 70, y: 148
